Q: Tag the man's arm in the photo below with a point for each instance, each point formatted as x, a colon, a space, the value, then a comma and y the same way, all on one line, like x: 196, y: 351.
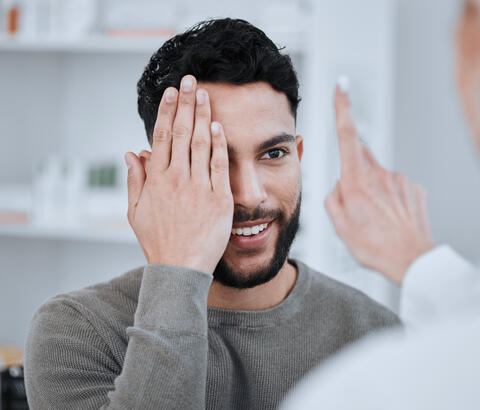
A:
x: 69, y: 364
x: 180, y: 207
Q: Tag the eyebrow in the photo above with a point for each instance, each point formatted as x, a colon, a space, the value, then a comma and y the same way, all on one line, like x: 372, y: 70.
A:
x: 278, y: 139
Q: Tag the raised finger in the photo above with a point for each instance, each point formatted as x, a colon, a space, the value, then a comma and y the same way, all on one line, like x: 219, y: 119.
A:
x: 162, y: 133
x: 348, y: 143
x: 183, y: 124
x: 201, y: 139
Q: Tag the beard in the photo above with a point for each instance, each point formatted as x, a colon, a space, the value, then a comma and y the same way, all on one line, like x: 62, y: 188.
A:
x: 288, y: 228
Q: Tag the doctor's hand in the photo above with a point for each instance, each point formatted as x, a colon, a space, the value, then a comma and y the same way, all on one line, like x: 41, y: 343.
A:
x: 180, y: 204
x: 381, y: 216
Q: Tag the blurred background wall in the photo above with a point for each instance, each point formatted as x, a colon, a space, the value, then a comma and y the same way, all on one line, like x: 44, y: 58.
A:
x: 68, y: 114
x: 432, y: 144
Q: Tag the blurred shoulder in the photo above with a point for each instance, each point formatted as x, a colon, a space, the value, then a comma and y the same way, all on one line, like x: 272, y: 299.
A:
x: 341, y: 300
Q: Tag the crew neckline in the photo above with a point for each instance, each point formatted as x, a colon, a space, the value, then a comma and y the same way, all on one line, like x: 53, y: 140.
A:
x: 287, y: 308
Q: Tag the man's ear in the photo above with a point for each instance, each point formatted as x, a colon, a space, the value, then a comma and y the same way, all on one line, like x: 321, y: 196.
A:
x: 299, y: 142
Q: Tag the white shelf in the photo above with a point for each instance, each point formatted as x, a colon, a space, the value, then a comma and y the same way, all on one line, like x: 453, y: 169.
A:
x: 98, y: 44
x: 293, y: 43
x: 116, y: 233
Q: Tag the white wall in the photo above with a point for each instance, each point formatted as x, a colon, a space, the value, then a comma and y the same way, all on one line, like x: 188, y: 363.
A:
x: 356, y: 39
x: 432, y: 144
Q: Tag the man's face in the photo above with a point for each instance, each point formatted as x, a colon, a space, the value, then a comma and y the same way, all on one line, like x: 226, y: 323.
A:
x: 265, y: 178
x: 468, y: 64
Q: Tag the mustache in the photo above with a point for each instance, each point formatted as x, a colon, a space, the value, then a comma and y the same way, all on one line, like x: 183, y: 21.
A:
x: 241, y: 215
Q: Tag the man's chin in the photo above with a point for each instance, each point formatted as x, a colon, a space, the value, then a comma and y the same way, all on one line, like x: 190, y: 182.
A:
x: 247, y: 262
x: 248, y: 269
x: 247, y: 273
x: 239, y: 270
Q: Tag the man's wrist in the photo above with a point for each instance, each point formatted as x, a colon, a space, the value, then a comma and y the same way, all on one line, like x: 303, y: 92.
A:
x: 184, y: 263
x: 173, y: 297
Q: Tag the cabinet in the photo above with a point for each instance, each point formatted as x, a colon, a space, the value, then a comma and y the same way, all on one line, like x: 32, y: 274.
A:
x: 77, y: 98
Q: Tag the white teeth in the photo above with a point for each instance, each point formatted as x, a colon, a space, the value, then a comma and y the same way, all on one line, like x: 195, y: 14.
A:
x: 253, y: 230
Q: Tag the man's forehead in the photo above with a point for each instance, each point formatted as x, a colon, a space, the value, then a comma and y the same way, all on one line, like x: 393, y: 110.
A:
x: 256, y: 99
x: 251, y: 114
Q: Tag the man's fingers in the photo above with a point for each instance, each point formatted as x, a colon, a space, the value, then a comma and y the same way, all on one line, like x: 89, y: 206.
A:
x: 183, y: 124
x: 145, y: 158
x: 135, y: 181
x: 219, y: 166
x: 162, y: 133
x: 201, y: 139
x: 348, y: 143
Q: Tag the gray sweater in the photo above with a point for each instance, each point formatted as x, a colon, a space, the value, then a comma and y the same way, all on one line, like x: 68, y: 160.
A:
x: 146, y: 340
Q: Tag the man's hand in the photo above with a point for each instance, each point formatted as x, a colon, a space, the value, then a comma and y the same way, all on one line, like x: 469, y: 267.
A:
x: 380, y: 216
x: 181, y: 208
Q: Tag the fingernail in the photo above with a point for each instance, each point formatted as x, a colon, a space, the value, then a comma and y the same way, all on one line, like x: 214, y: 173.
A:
x: 344, y: 83
x: 200, y: 97
x: 215, y: 128
x: 187, y: 84
x: 170, y: 95
x: 126, y: 161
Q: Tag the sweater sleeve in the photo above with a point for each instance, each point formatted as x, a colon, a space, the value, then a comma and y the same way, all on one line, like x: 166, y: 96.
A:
x: 438, y: 285
x: 68, y: 365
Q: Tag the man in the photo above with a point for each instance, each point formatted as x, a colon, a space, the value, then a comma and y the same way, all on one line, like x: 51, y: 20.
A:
x: 382, y: 219
x: 219, y: 318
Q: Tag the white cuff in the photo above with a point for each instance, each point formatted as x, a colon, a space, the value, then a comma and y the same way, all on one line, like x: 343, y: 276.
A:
x: 439, y: 284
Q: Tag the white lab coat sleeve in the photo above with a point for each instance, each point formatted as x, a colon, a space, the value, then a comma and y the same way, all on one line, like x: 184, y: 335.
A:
x: 434, y: 368
x: 438, y: 285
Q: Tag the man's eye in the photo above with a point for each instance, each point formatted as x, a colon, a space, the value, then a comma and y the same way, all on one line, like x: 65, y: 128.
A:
x: 274, y: 154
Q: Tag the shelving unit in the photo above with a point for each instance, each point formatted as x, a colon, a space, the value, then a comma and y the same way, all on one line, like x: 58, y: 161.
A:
x: 293, y: 43
x: 97, y: 44
x: 109, y: 232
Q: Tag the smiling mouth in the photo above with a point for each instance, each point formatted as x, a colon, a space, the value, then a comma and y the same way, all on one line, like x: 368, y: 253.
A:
x: 250, y: 230
x: 252, y: 237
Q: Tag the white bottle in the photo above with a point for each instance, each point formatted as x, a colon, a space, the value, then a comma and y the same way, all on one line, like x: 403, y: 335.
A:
x: 47, y: 196
x: 78, y: 18
x: 74, y: 191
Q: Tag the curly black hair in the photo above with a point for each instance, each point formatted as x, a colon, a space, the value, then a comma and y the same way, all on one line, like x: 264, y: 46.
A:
x: 219, y: 50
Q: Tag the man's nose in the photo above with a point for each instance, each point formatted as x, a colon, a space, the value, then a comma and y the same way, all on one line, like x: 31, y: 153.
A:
x: 247, y: 187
